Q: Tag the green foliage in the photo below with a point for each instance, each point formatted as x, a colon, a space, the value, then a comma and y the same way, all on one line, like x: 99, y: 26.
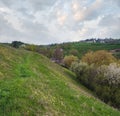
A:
x: 16, y: 44
x: 83, y: 48
x: 79, y: 68
x: 74, y: 52
x: 74, y: 48
x: 68, y: 60
x: 31, y: 47
x: 85, y: 73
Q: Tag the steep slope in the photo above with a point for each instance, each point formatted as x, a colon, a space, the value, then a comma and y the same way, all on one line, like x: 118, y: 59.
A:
x: 31, y: 85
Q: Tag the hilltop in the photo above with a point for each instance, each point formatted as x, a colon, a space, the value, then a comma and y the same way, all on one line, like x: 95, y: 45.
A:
x: 30, y: 84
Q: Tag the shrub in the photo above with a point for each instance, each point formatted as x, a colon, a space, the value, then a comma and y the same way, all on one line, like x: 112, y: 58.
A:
x: 31, y: 47
x: 74, y: 52
x: 16, y: 44
x: 98, y: 58
x: 68, y: 60
x: 103, y: 80
x: 111, y: 73
x: 79, y: 68
x: 109, y: 83
x: 85, y: 73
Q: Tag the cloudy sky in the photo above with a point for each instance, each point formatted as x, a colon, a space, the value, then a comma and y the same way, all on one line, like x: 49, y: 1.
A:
x: 55, y: 21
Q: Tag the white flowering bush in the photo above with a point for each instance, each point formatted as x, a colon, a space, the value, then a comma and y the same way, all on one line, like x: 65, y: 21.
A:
x: 112, y: 74
x: 103, y: 80
x: 109, y: 83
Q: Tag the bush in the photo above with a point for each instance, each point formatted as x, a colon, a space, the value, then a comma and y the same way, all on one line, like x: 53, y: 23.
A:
x: 68, y: 60
x: 31, y: 47
x: 111, y: 73
x: 103, y: 80
x: 85, y: 73
x: 109, y: 84
x: 79, y: 68
x: 16, y: 44
x: 74, y: 52
x: 99, y: 58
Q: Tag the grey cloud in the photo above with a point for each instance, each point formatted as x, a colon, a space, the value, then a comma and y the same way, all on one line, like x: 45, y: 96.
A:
x: 41, y: 4
x: 28, y: 7
x: 33, y: 26
x: 33, y: 32
x: 6, y: 29
x: 24, y: 12
x: 14, y: 4
x: 111, y: 24
x: 94, y: 10
x: 118, y: 2
x: 38, y: 4
x: 8, y: 33
x: 110, y: 20
x: 7, y: 2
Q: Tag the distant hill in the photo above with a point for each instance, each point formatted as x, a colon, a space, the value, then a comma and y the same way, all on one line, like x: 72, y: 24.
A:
x: 83, y: 47
x: 68, y: 48
x: 30, y: 84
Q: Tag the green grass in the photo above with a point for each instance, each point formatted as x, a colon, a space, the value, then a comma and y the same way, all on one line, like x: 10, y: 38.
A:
x: 31, y: 85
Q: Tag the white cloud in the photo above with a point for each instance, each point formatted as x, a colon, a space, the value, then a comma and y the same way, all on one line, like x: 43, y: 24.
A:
x: 82, y: 12
x: 51, y: 21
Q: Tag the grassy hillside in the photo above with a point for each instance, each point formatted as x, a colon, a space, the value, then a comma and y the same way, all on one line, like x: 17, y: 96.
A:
x: 31, y: 85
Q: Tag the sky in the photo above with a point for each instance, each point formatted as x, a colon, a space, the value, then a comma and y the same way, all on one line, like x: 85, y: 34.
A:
x: 57, y: 21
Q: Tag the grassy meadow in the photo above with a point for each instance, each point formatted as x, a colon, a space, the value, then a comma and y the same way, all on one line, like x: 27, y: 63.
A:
x: 31, y: 85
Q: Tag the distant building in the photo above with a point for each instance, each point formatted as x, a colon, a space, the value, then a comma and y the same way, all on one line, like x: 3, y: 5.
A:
x: 90, y: 40
x: 23, y: 45
x: 100, y: 41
